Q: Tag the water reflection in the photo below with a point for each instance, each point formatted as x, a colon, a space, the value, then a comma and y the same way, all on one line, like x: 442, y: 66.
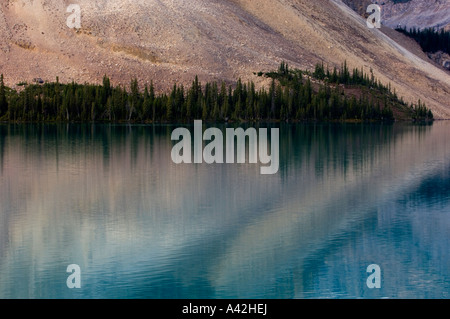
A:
x: 109, y: 198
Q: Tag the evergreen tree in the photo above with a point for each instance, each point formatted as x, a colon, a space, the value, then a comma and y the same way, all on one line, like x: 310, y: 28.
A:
x: 216, y: 113
x: 134, y: 99
x: 3, y: 101
x: 169, y: 108
x: 289, y: 96
x: 151, y: 101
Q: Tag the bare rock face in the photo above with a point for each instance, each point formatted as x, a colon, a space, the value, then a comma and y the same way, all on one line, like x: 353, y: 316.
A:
x: 446, y: 64
x: 167, y: 41
x: 441, y: 58
x: 408, y: 13
x: 416, y: 13
x: 359, y: 6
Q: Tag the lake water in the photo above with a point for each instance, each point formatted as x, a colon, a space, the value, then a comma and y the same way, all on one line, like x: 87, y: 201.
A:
x: 109, y: 199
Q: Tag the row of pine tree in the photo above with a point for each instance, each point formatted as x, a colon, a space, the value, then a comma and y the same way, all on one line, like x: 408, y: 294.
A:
x: 291, y: 97
x: 430, y: 40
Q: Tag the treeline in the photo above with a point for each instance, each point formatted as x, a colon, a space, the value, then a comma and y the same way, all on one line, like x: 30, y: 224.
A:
x: 292, y: 96
x: 369, y: 99
x: 429, y: 40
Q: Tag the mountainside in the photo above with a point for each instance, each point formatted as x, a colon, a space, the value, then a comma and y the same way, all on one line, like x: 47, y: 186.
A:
x: 408, y: 13
x: 416, y: 13
x: 172, y: 41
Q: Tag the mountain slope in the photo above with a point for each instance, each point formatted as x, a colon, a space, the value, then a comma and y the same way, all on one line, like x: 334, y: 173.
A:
x: 417, y: 13
x: 167, y: 41
x: 408, y: 13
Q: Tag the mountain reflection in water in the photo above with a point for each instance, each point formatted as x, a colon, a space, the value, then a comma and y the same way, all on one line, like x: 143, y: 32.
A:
x: 109, y: 198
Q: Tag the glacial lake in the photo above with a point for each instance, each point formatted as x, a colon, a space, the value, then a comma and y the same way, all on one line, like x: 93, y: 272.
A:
x: 109, y: 199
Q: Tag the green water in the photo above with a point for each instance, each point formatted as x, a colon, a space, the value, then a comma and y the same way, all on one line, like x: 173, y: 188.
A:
x: 109, y: 199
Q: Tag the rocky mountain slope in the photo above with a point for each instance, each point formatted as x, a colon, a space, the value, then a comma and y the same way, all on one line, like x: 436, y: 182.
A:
x: 416, y: 13
x: 408, y: 13
x: 167, y: 41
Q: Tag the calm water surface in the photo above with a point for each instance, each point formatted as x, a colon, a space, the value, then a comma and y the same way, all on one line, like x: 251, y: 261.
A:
x: 109, y: 198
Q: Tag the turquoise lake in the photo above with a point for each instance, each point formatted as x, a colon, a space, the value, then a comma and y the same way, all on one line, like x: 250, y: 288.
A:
x: 109, y: 199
